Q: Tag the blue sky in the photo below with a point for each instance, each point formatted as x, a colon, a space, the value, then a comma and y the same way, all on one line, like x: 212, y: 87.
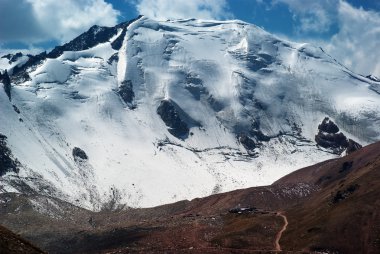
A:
x: 276, y: 18
x: 347, y: 29
x: 279, y: 17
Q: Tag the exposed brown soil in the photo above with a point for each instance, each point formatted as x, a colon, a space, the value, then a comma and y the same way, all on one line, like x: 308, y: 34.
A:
x: 343, y: 216
x: 331, y: 207
x: 11, y: 243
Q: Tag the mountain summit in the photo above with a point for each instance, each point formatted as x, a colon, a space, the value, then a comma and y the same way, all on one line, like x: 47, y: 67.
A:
x: 148, y: 112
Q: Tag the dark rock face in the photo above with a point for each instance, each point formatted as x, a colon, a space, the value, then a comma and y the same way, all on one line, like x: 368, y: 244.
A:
x: 4, y: 78
x: 126, y: 92
x: 329, y: 137
x: 116, y: 44
x: 169, y: 113
x: 7, y: 162
x: 15, y: 108
x: 113, y: 58
x: 328, y: 126
x: 20, y: 74
x: 89, y: 39
x: 247, y: 142
x: 94, y: 36
x: 8, y: 56
x: 328, y: 140
x: 79, y: 154
x: 254, y: 138
x: 13, y: 57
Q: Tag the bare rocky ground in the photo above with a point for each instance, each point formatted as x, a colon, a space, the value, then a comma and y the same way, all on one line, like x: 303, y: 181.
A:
x: 331, y: 207
x: 10, y: 243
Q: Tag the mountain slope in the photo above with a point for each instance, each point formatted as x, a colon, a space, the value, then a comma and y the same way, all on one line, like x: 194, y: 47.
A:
x: 330, y: 207
x: 11, y: 243
x: 164, y: 111
x: 346, y: 206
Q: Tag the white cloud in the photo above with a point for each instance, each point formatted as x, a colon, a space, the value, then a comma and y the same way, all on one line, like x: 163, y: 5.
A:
x: 166, y: 9
x: 313, y: 16
x: 356, y: 44
x: 32, y: 21
x: 316, y: 21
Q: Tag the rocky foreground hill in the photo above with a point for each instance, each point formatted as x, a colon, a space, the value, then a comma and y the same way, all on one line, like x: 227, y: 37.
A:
x: 331, y: 207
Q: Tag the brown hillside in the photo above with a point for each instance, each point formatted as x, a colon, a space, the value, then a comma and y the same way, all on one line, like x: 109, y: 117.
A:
x: 331, y: 207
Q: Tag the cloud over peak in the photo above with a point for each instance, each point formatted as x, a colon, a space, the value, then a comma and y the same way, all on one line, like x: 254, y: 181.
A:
x: 313, y: 16
x: 169, y: 9
x: 357, y: 43
x: 33, y: 21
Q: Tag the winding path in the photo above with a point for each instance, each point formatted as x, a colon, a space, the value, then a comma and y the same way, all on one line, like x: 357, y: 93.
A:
x: 279, y: 234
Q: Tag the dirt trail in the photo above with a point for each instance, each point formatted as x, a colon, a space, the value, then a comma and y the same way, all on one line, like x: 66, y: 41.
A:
x: 279, y: 234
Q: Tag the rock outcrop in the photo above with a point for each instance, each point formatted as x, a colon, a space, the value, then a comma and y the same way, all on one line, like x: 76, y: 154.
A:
x: 248, y: 143
x: 4, y: 78
x: 169, y: 113
x: 330, y: 137
x: 7, y: 162
x: 126, y: 93
x: 79, y: 154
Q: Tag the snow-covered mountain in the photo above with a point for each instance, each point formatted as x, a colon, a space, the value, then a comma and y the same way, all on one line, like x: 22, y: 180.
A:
x: 10, y: 61
x: 149, y: 112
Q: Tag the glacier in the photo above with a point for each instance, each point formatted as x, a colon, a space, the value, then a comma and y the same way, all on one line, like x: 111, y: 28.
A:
x: 240, y: 107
